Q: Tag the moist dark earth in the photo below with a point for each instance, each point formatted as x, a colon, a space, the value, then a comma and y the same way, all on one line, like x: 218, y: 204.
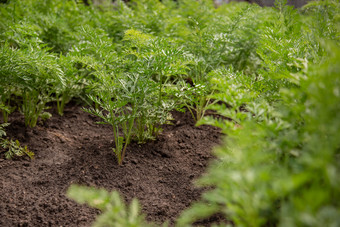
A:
x: 73, y: 149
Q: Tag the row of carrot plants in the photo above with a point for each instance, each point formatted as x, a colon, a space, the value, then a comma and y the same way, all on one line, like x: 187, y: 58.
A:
x: 271, y: 73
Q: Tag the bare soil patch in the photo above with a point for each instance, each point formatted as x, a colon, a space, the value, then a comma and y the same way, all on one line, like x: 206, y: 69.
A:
x: 74, y: 149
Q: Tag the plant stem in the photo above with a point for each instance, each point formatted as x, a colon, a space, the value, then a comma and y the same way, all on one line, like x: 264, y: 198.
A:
x: 127, y: 140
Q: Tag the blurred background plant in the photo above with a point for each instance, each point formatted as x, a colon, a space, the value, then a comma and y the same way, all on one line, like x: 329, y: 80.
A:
x: 113, y: 208
x: 279, y: 162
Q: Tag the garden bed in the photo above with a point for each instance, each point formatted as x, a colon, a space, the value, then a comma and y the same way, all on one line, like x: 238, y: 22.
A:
x: 73, y: 149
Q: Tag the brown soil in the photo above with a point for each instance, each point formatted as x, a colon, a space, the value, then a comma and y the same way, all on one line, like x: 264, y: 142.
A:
x: 73, y: 149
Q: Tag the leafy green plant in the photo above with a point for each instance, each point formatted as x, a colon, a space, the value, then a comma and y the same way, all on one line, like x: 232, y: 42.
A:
x: 12, y: 148
x: 233, y: 96
x: 114, y: 93
x: 7, y: 88
x: 2, y: 129
x: 121, y: 100
x: 29, y: 71
x: 135, y: 98
x: 266, y: 71
x: 195, y: 98
x: 279, y: 162
x: 94, y: 53
x: 5, y: 107
x: 114, y: 210
x: 35, y: 75
x: 161, y: 62
x: 224, y: 37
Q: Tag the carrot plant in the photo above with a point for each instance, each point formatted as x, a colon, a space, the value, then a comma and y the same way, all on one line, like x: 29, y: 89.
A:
x: 133, y: 97
x: 6, y: 89
x: 270, y: 73
x: 93, y: 53
x: 114, y: 210
x: 234, y: 91
x: 5, y: 111
x: 33, y: 74
x: 122, y: 100
x: 161, y: 62
x: 272, y: 168
x: 12, y: 148
x: 29, y: 71
x: 213, y: 43
x: 282, y: 126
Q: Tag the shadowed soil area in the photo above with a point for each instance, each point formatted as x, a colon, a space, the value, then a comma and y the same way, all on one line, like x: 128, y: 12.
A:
x: 73, y: 149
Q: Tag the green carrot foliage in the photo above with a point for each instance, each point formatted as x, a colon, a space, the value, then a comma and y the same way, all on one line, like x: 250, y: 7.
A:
x: 270, y: 75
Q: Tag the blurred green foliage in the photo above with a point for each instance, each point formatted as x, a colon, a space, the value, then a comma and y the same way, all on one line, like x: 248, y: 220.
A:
x: 271, y: 74
x: 114, y: 211
x: 278, y: 164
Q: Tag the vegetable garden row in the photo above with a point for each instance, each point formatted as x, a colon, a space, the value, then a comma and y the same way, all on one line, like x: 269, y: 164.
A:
x: 271, y: 75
